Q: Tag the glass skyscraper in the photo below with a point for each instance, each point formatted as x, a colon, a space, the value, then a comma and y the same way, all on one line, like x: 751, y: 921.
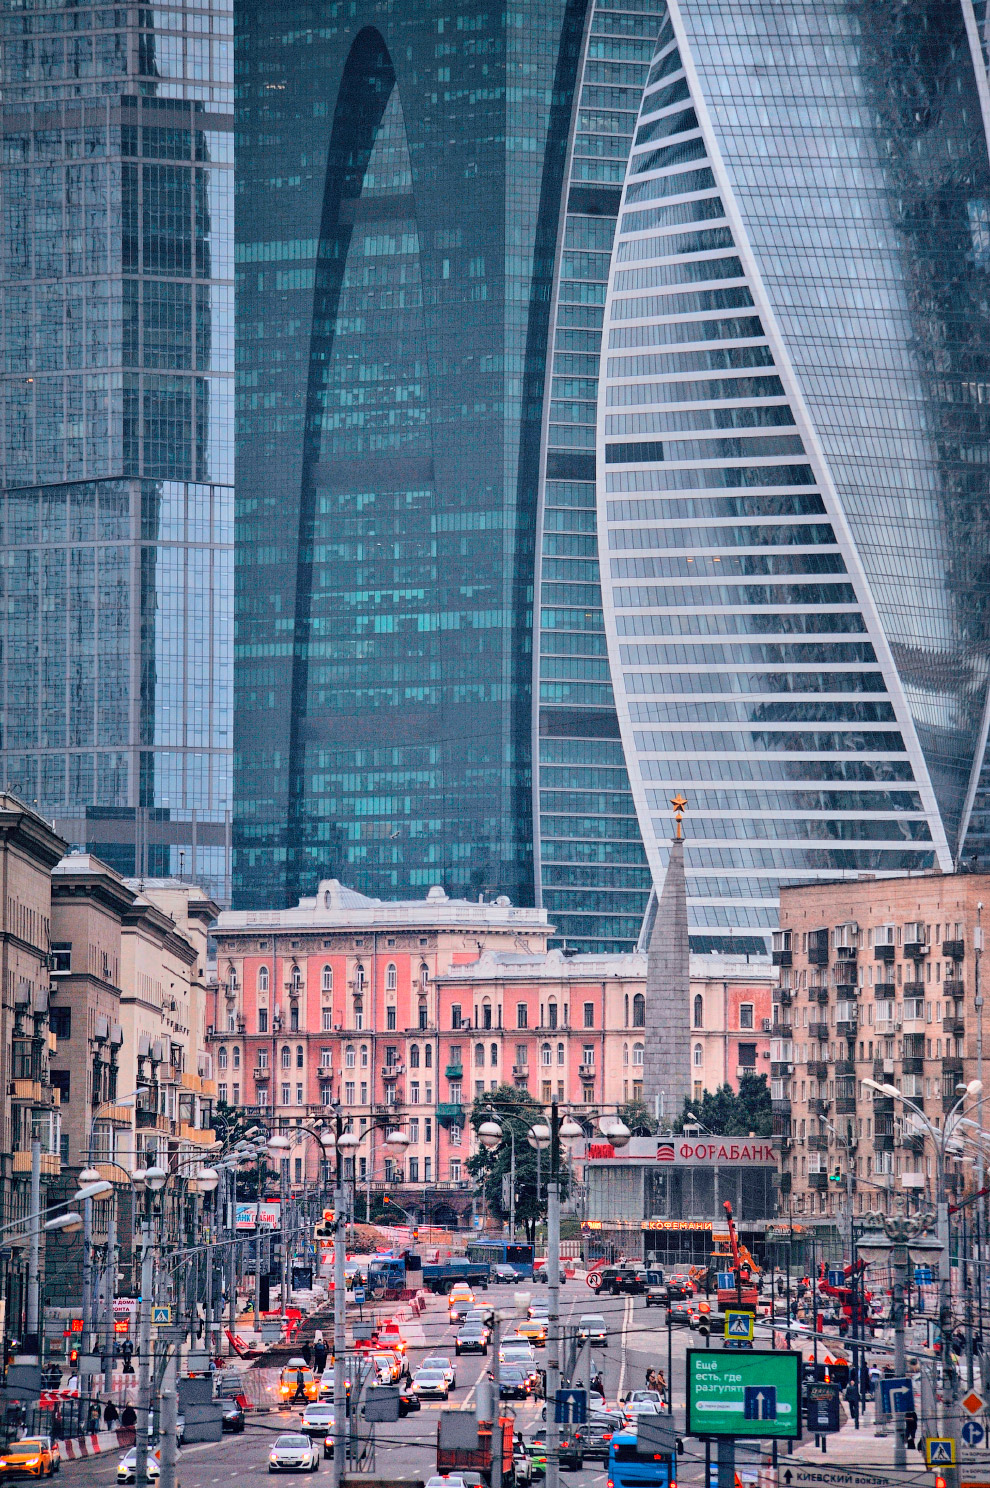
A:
x: 116, y: 458
x: 793, y: 447
x: 507, y: 579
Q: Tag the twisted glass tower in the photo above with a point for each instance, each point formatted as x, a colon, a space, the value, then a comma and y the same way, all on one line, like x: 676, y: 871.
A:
x: 792, y: 443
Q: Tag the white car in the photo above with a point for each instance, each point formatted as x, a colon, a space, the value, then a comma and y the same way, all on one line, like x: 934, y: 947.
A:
x: 294, y: 1452
x: 441, y: 1362
x: 127, y: 1466
x: 430, y: 1384
x: 317, y: 1418
x: 591, y: 1329
x: 517, y: 1351
x: 452, y: 1480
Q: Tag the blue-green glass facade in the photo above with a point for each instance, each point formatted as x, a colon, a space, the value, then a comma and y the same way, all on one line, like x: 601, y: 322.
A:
x: 116, y: 403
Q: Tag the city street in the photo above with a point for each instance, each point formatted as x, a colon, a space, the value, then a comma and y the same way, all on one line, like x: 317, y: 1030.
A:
x: 637, y: 1341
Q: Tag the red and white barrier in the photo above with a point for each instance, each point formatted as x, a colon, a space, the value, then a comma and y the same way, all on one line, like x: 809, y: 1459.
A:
x: 99, y: 1441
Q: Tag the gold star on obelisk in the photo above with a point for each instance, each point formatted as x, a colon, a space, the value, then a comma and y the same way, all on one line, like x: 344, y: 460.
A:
x: 679, y: 803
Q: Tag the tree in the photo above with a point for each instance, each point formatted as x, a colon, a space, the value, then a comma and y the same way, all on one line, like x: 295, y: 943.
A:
x: 513, y: 1108
x: 725, y: 1113
x: 639, y: 1118
x: 232, y: 1127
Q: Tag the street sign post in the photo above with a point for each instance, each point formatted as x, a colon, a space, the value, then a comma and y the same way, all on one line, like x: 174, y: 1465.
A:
x: 739, y: 1325
x: 896, y: 1396
x: 571, y: 1407
x: 161, y: 1315
x: 726, y: 1280
x: 972, y: 1403
x: 755, y: 1394
x: 940, y: 1451
x: 837, y: 1278
x: 972, y: 1434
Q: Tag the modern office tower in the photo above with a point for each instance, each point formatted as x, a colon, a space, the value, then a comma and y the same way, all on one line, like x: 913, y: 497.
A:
x: 408, y: 175
x: 793, y: 445
x: 116, y: 271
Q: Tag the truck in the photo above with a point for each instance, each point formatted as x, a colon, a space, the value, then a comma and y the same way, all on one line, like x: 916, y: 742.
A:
x: 479, y: 1458
x: 390, y: 1276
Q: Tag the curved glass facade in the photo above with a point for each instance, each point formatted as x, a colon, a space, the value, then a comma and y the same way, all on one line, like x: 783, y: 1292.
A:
x: 792, y: 444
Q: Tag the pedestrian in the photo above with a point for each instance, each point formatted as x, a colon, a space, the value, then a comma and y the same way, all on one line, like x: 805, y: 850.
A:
x: 598, y: 1384
x: 300, y: 1386
x: 307, y: 1353
x: 661, y: 1382
x: 93, y: 1417
x: 128, y: 1417
x: 110, y: 1415
x: 910, y: 1427
x: 57, y: 1422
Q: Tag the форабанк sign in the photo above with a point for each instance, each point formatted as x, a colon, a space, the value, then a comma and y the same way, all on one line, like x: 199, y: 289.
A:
x: 684, y: 1151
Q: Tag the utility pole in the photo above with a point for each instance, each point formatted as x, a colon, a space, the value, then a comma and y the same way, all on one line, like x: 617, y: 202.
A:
x: 111, y: 1288
x: 169, y: 1415
x: 33, y: 1339
x: 980, y: 1161
x: 144, y: 1358
x: 553, y: 1277
x: 339, y: 1321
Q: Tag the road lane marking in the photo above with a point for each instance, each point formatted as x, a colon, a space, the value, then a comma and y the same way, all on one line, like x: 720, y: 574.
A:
x: 627, y: 1312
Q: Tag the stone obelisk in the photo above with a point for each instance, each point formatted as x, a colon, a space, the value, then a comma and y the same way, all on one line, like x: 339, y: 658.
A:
x: 667, y: 1055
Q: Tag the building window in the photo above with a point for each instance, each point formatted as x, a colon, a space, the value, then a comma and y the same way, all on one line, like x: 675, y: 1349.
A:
x: 747, y: 1057
x: 262, y: 1095
x: 326, y: 980
x: 560, y: 1053
x: 546, y: 1054
x: 745, y: 1015
x: 262, y: 1020
x: 326, y: 1058
x: 298, y: 1170
x: 222, y: 1092
x: 390, y: 1019
x: 60, y: 1082
x: 262, y: 978
x: 427, y: 1169
x: 262, y: 1058
x: 326, y: 1021
x: 286, y: 1095
x: 479, y: 1056
x: 60, y: 1022
x: 236, y: 1099
x: 428, y: 1056
x: 638, y: 1053
x: 486, y: 1015
x: 237, y: 1058
x: 424, y: 975
x: 625, y: 1054
x: 455, y: 1136
x: 699, y: 1054
x: 359, y: 977
x: 699, y: 1010
x: 414, y: 1093
x: 414, y: 1170
x: 455, y: 1170
x: 589, y: 1015
x: 493, y: 1055
x: 300, y: 1061
x: 455, y: 1015
x: 522, y: 1015
x: 299, y: 1095
x: 391, y: 977
x: 423, y: 1016
x: 639, y: 1011
x: 286, y: 1057
x: 552, y: 1015
x: 587, y: 1055
x: 294, y: 1020
x: 221, y: 1058
x: 522, y: 1054
x: 414, y: 1056
x: 364, y: 1056
x: 349, y: 1056
x: 349, y: 1092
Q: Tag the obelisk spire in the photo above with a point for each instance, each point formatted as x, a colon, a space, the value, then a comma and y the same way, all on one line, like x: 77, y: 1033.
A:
x: 667, y: 1055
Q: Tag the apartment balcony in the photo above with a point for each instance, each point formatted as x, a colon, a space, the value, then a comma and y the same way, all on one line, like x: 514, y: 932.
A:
x: 203, y: 1136
x: 912, y: 1065
x: 817, y: 1069
x: 845, y: 1105
x: 783, y: 995
x: 450, y: 1113
x: 884, y: 990
x: 952, y: 1065
x: 883, y: 1142
x: 587, y: 1071
x: 883, y: 1105
x: 954, y: 988
x: 782, y: 958
x: 745, y: 1069
x: 819, y: 1107
x: 913, y: 1141
x: 955, y: 1026
x: 780, y: 1108
x: 27, y: 1092
x: 151, y: 1121
x: 262, y: 1073
x: 885, y: 953
x: 847, y: 991
x: 914, y: 989
x: 781, y: 1030
x: 846, y: 953
x: 393, y: 1071
x: 845, y: 1066
x: 116, y: 1115
x: 916, y: 950
x: 847, y: 1028
x: 520, y: 1071
x: 454, y: 1072
x: 818, y: 955
x: 818, y: 1142
x: 953, y: 950
x: 780, y: 1069
x: 51, y: 1164
x: 784, y: 1180
x: 818, y: 994
x: 818, y: 1031
x: 818, y: 1180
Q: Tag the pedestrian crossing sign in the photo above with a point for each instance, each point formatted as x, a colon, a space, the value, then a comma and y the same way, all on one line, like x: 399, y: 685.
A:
x: 739, y: 1325
x: 161, y: 1315
x: 940, y: 1451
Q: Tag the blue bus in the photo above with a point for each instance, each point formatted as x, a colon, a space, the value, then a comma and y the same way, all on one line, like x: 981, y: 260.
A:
x: 628, y: 1469
x: 500, y: 1253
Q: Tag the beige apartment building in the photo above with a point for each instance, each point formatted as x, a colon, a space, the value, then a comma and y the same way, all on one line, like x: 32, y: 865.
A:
x: 878, y: 981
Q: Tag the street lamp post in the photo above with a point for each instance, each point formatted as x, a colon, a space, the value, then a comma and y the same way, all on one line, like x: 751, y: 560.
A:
x: 153, y: 1180
x: 491, y: 1134
x: 901, y: 1240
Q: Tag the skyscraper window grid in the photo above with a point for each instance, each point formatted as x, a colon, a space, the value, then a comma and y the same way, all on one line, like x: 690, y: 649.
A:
x: 854, y: 718
x: 117, y: 457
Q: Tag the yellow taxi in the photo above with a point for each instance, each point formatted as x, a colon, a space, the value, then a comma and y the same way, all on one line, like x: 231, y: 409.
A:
x: 459, y: 1301
x: 295, y: 1374
x: 35, y: 1456
x: 535, y: 1329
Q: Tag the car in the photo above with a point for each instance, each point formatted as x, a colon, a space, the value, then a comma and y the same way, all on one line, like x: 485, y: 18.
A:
x: 635, y: 1396
x: 635, y: 1408
x: 656, y: 1288
x: 591, y: 1329
x: 127, y: 1466
x: 535, y: 1330
x: 513, y: 1383
x: 390, y: 1336
x: 679, y: 1312
x: 289, y: 1381
x: 293, y: 1452
x: 502, y: 1272
x: 517, y: 1351
x: 458, y: 1309
x: 408, y: 1402
x: 570, y: 1452
x: 522, y: 1467
x: 538, y: 1310
x: 452, y: 1480
x: 484, y: 1313
x: 388, y: 1367
x: 33, y: 1456
x: 232, y: 1416
x: 430, y: 1384
x: 679, y: 1286
x: 471, y: 1339
x: 593, y: 1438
x: 317, y: 1418
x: 440, y: 1361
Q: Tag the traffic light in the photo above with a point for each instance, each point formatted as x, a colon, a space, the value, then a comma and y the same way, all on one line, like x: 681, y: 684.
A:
x: 73, y: 1357
x: 835, y: 1177
x: 415, y: 1233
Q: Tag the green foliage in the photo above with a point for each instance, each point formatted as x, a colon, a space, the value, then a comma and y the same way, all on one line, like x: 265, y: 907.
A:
x: 231, y: 1127
x: 516, y: 1109
x: 639, y: 1118
x: 726, y: 1114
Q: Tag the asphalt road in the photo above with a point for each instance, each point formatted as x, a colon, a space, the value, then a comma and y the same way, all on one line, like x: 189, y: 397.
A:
x: 637, y: 1341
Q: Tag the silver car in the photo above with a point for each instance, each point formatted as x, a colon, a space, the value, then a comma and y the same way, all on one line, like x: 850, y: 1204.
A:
x: 293, y: 1452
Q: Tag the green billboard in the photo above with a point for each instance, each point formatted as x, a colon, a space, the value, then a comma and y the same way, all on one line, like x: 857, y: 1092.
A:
x: 745, y: 1394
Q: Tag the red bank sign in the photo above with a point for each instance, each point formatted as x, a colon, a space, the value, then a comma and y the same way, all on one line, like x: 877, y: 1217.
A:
x: 710, y: 1152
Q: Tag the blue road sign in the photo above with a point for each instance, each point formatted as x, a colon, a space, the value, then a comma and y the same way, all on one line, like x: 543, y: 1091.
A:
x: 837, y: 1278
x: 760, y: 1403
x: 897, y: 1396
x: 739, y: 1325
x: 359, y: 1295
x: 941, y: 1449
x: 972, y: 1433
x: 923, y: 1274
x: 571, y: 1407
x: 726, y: 1279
